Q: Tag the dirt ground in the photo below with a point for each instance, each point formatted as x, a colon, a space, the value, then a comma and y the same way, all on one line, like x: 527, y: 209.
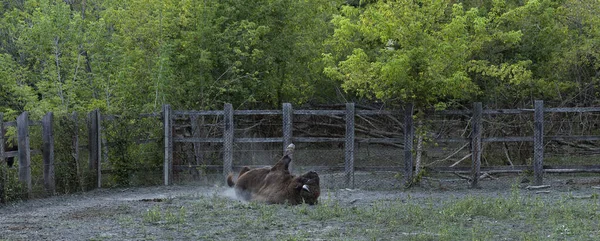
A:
x: 126, y: 214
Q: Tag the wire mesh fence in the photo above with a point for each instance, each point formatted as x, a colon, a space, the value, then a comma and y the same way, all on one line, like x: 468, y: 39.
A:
x: 344, y: 143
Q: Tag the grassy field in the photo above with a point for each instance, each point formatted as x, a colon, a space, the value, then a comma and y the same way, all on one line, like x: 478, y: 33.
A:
x: 211, y: 213
x: 470, y: 217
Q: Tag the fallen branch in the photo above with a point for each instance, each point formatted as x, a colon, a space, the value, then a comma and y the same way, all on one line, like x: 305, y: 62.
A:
x: 451, y: 155
x: 507, y: 155
x: 583, y: 197
x: 537, y: 187
x: 462, y: 159
x: 469, y: 179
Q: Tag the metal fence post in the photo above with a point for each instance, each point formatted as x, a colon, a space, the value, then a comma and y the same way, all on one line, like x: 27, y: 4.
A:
x: 408, y: 143
x: 538, y: 143
x: 228, y: 130
x: 349, y: 146
x: 476, y: 144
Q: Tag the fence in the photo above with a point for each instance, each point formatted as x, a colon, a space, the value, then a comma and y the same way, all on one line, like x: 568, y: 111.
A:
x: 288, y: 114
x: 475, y: 140
x: 23, y: 123
x: 96, y: 145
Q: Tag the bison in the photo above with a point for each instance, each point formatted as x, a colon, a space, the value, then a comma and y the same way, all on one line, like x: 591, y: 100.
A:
x: 9, y: 148
x: 276, y: 185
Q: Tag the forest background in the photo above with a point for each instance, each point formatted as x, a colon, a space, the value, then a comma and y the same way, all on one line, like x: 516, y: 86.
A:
x: 133, y: 56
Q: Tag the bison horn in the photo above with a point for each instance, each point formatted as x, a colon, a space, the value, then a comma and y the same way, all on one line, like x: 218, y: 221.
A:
x: 305, y: 187
x: 290, y: 147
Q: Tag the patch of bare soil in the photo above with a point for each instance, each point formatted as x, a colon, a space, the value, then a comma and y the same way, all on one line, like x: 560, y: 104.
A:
x: 137, y: 213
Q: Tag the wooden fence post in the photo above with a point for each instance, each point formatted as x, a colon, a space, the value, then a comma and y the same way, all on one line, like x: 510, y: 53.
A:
x: 94, y: 145
x: 228, y: 130
x: 48, y: 153
x: 408, y: 143
x: 538, y: 143
x: 24, y: 152
x: 98, y: 128
x: 349, y: 146
x: 75, y: 147
x: 168, y: 160
x: 198, y: 155
x: 287, y: 129
x: 476, y: 144
x: 2, y: 160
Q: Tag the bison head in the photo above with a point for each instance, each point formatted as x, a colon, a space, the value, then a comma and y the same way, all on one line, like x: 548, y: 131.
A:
x: 309, y: 188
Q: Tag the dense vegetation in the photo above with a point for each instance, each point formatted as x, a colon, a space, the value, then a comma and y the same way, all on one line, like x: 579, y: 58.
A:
x: 134, y: 56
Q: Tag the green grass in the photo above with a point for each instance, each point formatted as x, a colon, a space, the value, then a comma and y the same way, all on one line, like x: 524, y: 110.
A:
x: 470, y: 217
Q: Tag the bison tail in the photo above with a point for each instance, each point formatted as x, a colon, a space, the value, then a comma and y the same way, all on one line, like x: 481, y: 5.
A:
x: 230, y: 181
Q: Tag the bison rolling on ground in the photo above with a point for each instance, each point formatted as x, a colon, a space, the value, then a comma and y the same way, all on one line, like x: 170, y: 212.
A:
x: 276, y: 184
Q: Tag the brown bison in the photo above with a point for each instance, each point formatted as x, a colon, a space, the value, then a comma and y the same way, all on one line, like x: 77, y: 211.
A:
x: 276, y: 184
x: 9, y: 148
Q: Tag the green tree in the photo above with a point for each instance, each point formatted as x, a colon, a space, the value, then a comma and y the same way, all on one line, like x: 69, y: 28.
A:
x: 406, y: 51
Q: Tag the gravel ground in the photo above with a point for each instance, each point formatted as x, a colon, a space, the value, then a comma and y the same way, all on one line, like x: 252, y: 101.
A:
x: 126, y: 214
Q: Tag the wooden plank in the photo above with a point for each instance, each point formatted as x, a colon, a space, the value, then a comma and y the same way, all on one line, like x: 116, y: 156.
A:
x: 452, y: 140
x: 258, y: 140
x: 318, y: 139
x: 375, y: 112
x: 24, y: 154
x: 408, y: 143
x: 108, y: 117
x: 519, y: 169
x: 198, y: 113
x: 452, y: 112
x: 150, y: 115
x: 295, y: 139
x: 197, y: 140
x: 349, y: 146
x: 257, y: 112
x: 476, y: 144
x: 491, y: 170
x: 380, y: 140
x: 319, y: 112
x: 8, y: 154
x: 507, y: 111
x: 572, y: 110
x: 572, y: 138
x: 168, y: 145
x: 48, y: 153
x: 464, y: 170
x: 538, y: 143
x: 508, y: 139
x: 30, y: 123
x: 228, y: 131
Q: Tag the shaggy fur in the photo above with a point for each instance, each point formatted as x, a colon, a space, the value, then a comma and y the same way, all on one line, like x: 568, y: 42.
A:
x: 10, y: 160
x: 276, y: 184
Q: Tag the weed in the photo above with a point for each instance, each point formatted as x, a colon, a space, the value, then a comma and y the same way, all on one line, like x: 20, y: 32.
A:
x: 152, y: 215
